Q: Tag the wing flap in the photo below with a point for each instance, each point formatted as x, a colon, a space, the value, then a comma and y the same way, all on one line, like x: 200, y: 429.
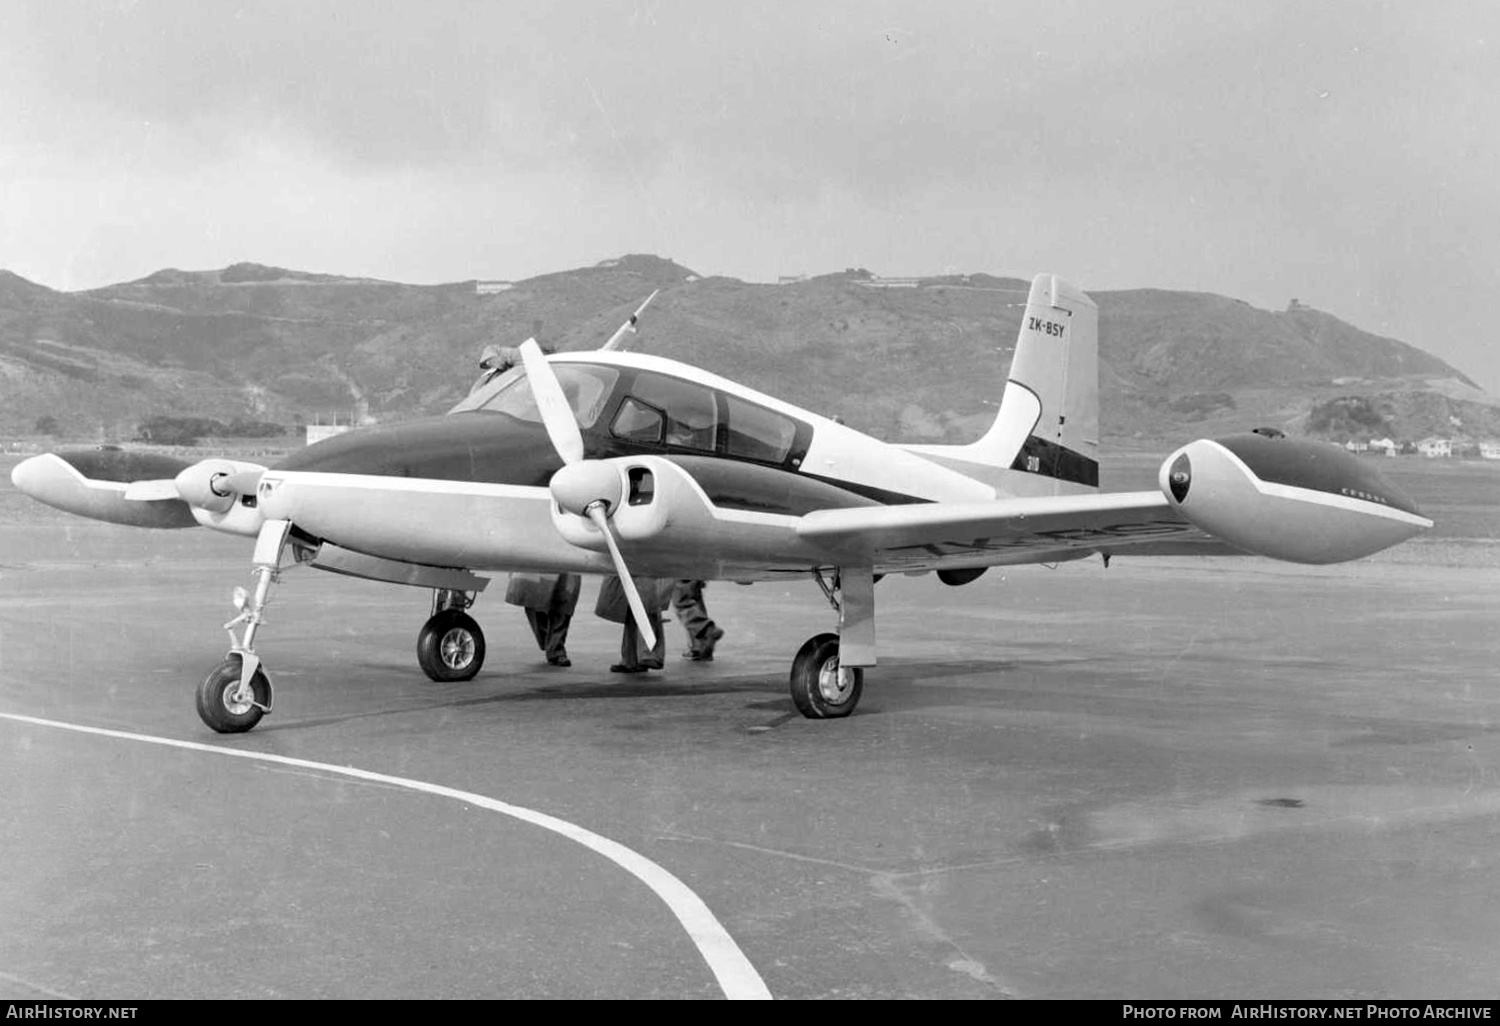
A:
x: 1009, y: 530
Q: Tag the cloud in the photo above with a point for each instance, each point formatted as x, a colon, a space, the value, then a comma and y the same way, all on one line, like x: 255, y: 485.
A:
x: 1262, y: 150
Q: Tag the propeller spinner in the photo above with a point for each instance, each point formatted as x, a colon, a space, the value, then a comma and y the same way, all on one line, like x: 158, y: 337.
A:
x: 586, y: 488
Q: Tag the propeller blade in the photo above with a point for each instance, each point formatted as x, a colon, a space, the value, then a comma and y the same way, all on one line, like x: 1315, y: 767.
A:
x: 557, y: 412
x: 151, y: 490
x: 632, y: 597
x: 628, y: 328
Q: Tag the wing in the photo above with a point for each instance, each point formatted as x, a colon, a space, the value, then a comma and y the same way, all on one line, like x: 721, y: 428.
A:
x: 1008, y: 531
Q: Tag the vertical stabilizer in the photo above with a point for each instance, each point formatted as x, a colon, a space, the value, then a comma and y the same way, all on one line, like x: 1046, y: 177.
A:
x: 1045, y: 438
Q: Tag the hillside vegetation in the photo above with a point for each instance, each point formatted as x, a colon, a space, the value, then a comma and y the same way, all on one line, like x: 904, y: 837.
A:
x: 256, y: 343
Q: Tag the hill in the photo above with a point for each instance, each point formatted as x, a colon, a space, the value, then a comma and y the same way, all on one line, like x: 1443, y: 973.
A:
x: 912, y: 360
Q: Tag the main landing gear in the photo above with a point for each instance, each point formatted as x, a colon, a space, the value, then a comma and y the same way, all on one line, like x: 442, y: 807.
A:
x: 451, y: 645
x: 828, y: 674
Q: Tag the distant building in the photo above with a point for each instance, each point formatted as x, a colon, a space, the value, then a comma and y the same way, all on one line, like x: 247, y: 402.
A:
x: 489, y: 288
x: 318, y: 432
x: 1384, y: 445
x: 892, y: 283
x: 1490, y: 450
x: 1354, y: 446
x: 1434, y: 448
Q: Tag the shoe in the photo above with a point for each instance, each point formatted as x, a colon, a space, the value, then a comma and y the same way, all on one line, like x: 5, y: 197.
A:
x: 698, y: 657
x: 561, y: 660
x: 705, y: 654
x: 622, y: 668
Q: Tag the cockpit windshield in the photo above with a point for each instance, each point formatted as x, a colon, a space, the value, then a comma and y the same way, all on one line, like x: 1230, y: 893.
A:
x: 586, y: 387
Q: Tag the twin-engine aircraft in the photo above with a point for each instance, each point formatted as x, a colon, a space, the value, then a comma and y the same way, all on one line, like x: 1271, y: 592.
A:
x: 612, y: 462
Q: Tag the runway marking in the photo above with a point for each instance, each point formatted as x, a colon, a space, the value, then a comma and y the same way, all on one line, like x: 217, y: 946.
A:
x: 887, y: 884
x: 46, y: 991
x: 736, y: 977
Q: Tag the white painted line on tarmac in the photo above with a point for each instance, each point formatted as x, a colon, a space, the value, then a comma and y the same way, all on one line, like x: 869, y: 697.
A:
x: 736, y: 976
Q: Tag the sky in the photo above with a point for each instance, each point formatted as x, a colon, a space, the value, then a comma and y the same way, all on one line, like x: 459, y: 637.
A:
x: 1345, y: 154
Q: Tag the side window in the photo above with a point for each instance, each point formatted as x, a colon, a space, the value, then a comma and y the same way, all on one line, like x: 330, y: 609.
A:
x: 756, y: 433
x: 692, y: 418
x: 638, y: 422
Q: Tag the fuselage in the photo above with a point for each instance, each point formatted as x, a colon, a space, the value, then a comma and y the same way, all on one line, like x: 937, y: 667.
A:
x: 470, y: 488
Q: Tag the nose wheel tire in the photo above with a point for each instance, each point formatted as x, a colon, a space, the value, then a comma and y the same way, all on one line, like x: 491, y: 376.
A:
x: 822, y: 689
x: 451, y: 646
x: 222, y: 708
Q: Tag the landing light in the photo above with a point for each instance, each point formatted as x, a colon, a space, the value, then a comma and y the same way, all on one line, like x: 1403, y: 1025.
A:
x: 239, y: 597
x: 1180, y: 477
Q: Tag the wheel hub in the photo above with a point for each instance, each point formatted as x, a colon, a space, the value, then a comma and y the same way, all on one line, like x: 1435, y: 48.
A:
x: 457, y: 649
x: 238, y: 700
x: 835, y: 682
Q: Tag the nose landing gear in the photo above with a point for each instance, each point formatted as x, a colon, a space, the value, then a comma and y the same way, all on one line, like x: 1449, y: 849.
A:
x: 233, y: 698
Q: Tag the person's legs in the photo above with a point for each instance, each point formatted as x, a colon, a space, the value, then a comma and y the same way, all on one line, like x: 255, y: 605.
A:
x: 538, y: 622
x: 630, y: 648
x: 703, y: 634
x: 630, y: 659
x: 556, y: 639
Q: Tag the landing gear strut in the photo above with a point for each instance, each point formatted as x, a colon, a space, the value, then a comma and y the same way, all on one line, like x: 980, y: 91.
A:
x: 233, y: 698
x: 828, y: 673
x: 450, y: 646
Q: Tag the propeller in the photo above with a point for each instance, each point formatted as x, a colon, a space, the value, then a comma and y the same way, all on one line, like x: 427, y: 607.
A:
x: 587, y: 488
x: 616, y: 341
x: 213, y: 485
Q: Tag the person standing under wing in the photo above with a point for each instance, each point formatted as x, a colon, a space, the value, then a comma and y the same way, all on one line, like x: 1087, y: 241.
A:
x: 549, y: 601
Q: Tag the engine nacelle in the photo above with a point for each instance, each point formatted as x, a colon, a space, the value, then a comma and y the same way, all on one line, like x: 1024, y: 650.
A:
x: 1291, y: 499
x: 202, y: 485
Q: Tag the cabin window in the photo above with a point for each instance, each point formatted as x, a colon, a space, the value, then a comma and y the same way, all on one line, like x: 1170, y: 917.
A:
x: 638, y: 422
x: 692, y: 417
x: 756, y: 433
x: 586, y: 387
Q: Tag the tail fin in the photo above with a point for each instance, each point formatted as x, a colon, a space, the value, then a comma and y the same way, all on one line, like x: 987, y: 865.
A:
x: 1047, y: 428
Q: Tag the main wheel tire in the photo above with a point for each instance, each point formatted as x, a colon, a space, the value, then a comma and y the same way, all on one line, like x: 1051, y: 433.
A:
x: 821, y: 688
x: 217, y: 706
x: 451, y: 646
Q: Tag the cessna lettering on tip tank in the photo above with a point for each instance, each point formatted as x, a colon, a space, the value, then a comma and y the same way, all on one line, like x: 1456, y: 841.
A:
x: 612, y: 462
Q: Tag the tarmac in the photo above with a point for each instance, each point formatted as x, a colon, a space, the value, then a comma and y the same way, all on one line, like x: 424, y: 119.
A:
x: 1168, y: 779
